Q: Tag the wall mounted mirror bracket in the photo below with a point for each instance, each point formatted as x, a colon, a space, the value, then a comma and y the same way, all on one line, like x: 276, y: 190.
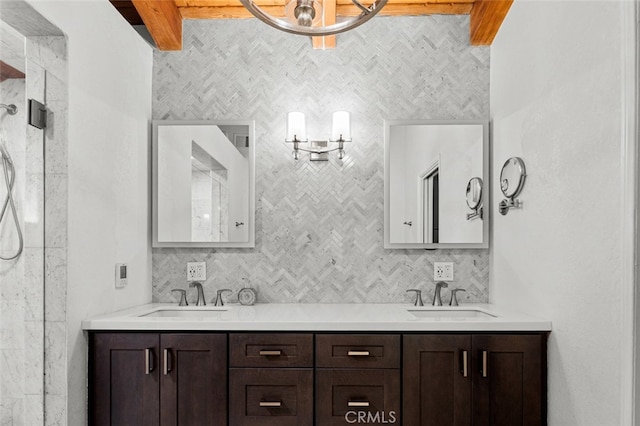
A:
x: 512, y: 178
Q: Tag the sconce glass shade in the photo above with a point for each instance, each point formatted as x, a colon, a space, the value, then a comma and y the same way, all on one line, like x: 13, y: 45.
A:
x: 341, y: 126
x: 308, y: 11
x: 296, y: 127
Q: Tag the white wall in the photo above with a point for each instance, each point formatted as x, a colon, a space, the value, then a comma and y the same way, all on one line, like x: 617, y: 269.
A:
x: 556, y: 95
x: 109, y: 76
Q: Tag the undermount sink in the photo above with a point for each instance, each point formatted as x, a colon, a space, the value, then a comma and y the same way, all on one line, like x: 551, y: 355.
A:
x: 449, y: 314
x: 213, y: 313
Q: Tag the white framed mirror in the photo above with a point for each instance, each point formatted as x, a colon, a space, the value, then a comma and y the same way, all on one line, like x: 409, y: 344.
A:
x: 428, y: 165
x: 203, y: 183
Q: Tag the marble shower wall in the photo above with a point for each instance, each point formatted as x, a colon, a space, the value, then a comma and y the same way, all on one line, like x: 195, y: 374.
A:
x: 319, y: 225
x: 16, y: 319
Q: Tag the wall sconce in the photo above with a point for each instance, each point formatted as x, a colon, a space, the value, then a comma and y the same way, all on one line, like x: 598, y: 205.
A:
x: 319, y: 149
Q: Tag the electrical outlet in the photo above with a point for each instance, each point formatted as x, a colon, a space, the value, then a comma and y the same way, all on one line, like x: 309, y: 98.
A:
x: 443, y: 271
x: 196, y: 271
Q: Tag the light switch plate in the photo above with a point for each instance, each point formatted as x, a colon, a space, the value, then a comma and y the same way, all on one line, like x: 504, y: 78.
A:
x: 122, y: 275
x: 443, y: 271
x: 196, y: 271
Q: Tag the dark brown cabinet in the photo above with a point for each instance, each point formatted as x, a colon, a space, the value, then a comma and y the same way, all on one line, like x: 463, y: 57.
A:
x: 271, y: 379
x: 321, y: 379
x: 474, y: 380
x: 158, y: 379
x: 357, y: 379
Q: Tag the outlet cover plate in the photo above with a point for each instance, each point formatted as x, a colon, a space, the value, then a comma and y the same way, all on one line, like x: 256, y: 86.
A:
x: 196, y: 271
x: 443, y: 271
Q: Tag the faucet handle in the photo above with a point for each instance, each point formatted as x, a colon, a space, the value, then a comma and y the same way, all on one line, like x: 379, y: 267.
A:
x: 183, y: 296
x: 219, y: 301
x: 454, y: 298
x: 418, y: 301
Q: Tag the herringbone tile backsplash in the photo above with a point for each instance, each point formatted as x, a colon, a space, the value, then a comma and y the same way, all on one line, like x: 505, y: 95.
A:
x: 319, y: 225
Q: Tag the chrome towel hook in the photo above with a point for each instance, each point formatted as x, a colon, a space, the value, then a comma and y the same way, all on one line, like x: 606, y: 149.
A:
x: 11, y: 108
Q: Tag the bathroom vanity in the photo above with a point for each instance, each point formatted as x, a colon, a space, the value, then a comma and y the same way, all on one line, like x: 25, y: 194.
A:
x: 317, y: 364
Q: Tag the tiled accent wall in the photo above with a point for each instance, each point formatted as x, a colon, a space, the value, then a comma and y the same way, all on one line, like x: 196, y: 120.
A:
x: 319, y: 225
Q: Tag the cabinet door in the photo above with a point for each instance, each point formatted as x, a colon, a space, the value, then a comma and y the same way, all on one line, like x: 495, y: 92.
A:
x: 436, y: 382
x: 124, y: 388
x: 509, y: 380
x: 193, y: 379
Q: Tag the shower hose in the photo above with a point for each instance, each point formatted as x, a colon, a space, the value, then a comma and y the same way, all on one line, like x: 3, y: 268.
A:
x: 9, y: 204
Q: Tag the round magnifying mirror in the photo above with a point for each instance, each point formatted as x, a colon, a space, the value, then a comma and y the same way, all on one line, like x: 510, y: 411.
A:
x: 474, y: 193
x: 512, y: 177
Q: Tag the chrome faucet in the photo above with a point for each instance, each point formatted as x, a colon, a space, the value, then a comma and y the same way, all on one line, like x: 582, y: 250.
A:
x: 219, y: 301
x: 437, y: 300
x: 201, y: 300
x: 418, y: 301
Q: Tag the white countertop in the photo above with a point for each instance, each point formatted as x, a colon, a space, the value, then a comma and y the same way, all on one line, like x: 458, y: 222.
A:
x: 316, y: 317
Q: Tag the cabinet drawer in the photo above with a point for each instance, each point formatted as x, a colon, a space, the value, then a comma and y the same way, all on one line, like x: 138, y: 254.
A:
x: 358, y: 350
x: 274, y: 396
x: 271, y: 350
x: 344, y: 396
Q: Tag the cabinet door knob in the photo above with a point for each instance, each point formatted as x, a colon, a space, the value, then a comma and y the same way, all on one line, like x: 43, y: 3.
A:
x: 358, y: 403
x: 271, y: 403
x: 148, y: 360
x: 358, y: 353
x: 265, y: 352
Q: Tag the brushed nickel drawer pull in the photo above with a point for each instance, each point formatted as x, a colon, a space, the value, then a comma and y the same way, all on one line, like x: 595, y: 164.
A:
x: 358, y: 353
x: 148, y: 361
x: 167, y: 361
x: 484, y: 363
x: 465, y: 363
x: 271, y: 403
x: 265, y: 352
x: 358, y: 403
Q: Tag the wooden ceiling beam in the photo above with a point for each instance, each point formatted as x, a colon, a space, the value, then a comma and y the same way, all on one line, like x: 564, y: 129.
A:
x: 217, y: 3
x: 394, y: 9
x: 163, y: 21
x: 329, y: 18
x: 163, y: 18
x: 7, y: 72
x: 486, y: 18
